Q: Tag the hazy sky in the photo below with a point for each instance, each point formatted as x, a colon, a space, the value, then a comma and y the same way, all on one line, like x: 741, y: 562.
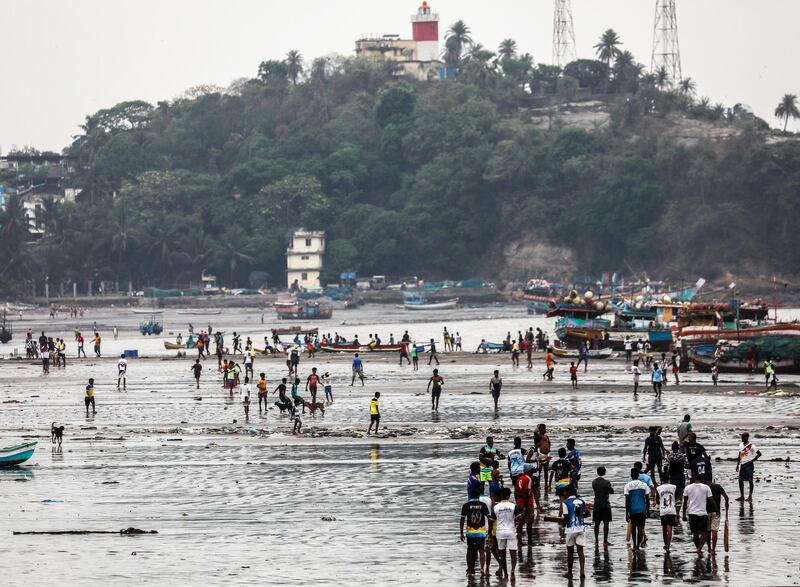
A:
x: 64, y: 59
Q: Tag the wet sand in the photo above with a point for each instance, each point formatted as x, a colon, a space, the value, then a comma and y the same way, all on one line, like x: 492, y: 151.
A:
x: 240, y: 502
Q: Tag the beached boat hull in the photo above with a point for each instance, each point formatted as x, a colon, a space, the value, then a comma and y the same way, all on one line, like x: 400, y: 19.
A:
x: 575, y: 354
x: 199, y: 312
x: 174, y: 346
x: 694, y: 335
x: 18, y: 454
x: 574, y: 336
x: 294, y: 330
x: 448, y: 305
x: 702, y: 363
x: 352, y: 348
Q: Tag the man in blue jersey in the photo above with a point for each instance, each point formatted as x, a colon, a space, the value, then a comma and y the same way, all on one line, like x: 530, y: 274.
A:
x: 574, y: 530
x: 637, y: 507
x: 358, y: 370
x: 475, y: 515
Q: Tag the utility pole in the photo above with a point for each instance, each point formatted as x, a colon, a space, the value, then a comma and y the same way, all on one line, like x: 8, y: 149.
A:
x: 666, y: 51
x: 563, y: 33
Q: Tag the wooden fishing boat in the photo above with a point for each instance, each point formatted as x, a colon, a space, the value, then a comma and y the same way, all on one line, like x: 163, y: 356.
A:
x: 17, y: 454
x: 703, y: 362
x: 199, y: 312
x: 694, y: 335
x: 303, y: 310
x: 574, y: 353
x: 413, y: 304
x: 294, y: 330
x: 144, y: 311
x: 360, y: 348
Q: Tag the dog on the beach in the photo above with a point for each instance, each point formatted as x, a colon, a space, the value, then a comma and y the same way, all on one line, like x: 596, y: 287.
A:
x: 313, y: 407
x: 56, y: 433
x: 283, y: 406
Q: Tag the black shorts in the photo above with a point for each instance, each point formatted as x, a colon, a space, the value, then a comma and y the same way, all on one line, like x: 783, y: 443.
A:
x: 698, y: 524
x: 601, y: 514
x: 669, y: 520
x: 436, y: 392
x: 564, y: 491
x: 88, y: 401
x: 475, y: 542
x: 375, y: 418
x: 638, y: 520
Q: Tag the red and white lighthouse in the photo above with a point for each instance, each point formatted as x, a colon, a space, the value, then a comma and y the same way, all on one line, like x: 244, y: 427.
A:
x: 425, y: 24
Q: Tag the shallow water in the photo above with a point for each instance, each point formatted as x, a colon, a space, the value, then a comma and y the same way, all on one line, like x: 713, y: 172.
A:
x: 242, y: 502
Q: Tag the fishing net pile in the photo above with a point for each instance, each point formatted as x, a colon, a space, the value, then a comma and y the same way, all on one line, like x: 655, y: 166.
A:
x: 776, y: 348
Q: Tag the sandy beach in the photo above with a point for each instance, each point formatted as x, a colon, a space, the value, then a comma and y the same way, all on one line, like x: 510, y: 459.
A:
x: 239, y: 502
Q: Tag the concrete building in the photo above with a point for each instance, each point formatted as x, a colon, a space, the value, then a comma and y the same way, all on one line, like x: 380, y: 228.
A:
x: 304, y: 259
x: 417, y: 57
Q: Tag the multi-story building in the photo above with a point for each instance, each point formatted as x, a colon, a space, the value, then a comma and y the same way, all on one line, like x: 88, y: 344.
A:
x: 304, y: 259
x: 417, y: 57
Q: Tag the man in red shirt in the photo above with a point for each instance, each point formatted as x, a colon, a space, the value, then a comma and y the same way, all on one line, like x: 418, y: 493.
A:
x: 404, y: 352
x: 523, y: 493
x: 311, y: 384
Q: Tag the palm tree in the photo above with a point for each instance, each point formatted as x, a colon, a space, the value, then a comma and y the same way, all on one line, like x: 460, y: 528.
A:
x: 687, y: 86
x: 457, y: 40
x: 14, y: 222
x: 507, y: 48
x: 608, y: 47
x: 661, y: 78
x: 294, y: 64
x: 787, y: 108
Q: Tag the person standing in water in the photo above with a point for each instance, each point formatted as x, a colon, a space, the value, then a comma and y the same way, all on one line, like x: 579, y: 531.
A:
x: 415, y: 356
x: 311, y: 384
x: 435, y: 384
x: 122, y: 372
x: 374, y: 413
x: 244, y: 393
x: 326, y: 383
x: 262, y: 391
x: 97, y: 344
x: 745, y: 465
x: 89, y: 398
x: 196, y: 369
x: 495, y: 384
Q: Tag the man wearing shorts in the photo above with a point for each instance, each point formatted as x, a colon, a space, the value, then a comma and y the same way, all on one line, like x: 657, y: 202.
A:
x: 122, y: 372
x: 523, y: 494
x: 358, y: 370
x: 89, y: 398
x: 666, y: 508
x: 748, y: 455
x: 561, y: 475
x: 714, y: 514
x: 601, y: 513
x: 637, y: 507
x: 374, y: 413
x: 262, y: 391
x: 474, y: 515
x: 574, y: 531
x: 311, y: 384
x: 697, y: 498
x: 435, y: 388
x: 495, y: 384
x: 506, y: 515
x: 542, y: 443
x: 197, y: 368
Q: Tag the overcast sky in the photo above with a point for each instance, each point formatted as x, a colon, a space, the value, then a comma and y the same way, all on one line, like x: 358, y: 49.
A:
x: 64, y: 59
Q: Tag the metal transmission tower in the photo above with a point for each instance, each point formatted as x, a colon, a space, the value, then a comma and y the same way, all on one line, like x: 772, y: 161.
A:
x: 563, y: 33
x: 666, y: 52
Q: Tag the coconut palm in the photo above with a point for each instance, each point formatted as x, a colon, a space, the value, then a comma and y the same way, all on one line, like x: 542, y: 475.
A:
x: 608, y: 47
x: 687, y: 86
x: 661, y: 78
x: 14, y: 222
x: 294, y: 64
x: 787, y: 108
x: 507, y: 48
x: 457, y: 40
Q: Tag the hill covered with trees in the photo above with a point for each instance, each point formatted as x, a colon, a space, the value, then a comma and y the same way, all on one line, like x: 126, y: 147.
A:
x: 431, y: 178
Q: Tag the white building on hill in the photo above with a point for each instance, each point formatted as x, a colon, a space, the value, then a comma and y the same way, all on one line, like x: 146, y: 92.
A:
x: 304, y: 259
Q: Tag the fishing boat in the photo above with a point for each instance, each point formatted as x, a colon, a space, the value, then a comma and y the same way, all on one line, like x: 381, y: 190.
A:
x: 413, y: 300
x: 733, y: 358
x: 190, y: 343
x: 708, y: 323
x: 199, y: 312
x: 146, y: 312
x: 360, y: 348
x: 575, y: 354
x: 17, y: 454
x: 294, y: 330
x: 538, y: 293
x: 297, y: 309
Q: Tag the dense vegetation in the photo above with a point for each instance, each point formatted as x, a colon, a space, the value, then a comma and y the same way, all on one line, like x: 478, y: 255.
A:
x: 414, y: 178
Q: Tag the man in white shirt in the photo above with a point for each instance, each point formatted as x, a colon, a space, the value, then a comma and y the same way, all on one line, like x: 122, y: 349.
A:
x: 666, y: 507
x: 122, y: 371
x: 507, y: 515
x: 697, y: 500
x: 748, y: 455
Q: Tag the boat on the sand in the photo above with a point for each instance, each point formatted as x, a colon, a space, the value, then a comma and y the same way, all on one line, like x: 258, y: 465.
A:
x: 575, y: 353
x: 360, y: 348
x: 17, y: 454
x: 294, y: 330
x: 199, y: 312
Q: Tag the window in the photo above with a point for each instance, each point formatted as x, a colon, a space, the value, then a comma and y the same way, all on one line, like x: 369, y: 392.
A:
x: 304, y: 257
x: 304, y: 276
x: 308, y: 242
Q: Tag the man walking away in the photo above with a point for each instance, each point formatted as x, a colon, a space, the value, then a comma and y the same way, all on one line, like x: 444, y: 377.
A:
x: 601, y: 512
x: 745, y: 465
x: 374, y: 413
x: 697, y: 498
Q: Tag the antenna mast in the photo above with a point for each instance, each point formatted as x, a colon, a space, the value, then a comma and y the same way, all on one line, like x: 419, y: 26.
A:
x: 563, y: 33
x: 666, y: 51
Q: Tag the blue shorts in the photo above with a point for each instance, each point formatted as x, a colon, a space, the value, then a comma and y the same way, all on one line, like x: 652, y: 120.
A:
x: 746, y: 471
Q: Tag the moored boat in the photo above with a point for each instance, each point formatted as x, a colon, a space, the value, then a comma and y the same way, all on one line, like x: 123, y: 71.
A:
x: 294, y: 330
x: 575, y: 354
x: 17, y: 454
x: 360, y: 348
x: 298, y: 309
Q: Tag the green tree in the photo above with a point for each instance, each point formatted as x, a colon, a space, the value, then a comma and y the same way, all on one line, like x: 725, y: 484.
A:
x: 787, y: 109
x: 608, y: 47
x: 296, y: 200
x: 456, y: 41
x: 507, y: 48
x: 294, y: 66
x: 396, y: 102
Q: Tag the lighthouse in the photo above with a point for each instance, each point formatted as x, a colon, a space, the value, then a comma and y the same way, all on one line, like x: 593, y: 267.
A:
x: 425, y: 26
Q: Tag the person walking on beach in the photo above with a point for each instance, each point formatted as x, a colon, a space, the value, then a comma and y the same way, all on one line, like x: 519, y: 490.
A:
x: 89, y: 398
x: 769, y: 373
x: 415, y: 356
x: 196, y: 369
x: 326, y: 382
x: 97, y: 344
x: 515, y: 354
x: 475, y: 517
x: 507, y: 516
x: 696, y: 502
x: 684, y: 428
x: 122, y: 372
x: 262, y: 391
x: 549, y: 363
x: 583, y: 356
x: 358, y: 370
x: 244, y: 394
x: 404, y: 353
x: 575, y: 531
x: 637, y: 373
x: 745, y: 465
x: 296, y: 418
x: 675, y: 470
x: 656, y: 377
x: 435, y: 384
x: 653, y: 453
x: 573, y: 375
x: 667, y: 511
x: 628, y: 349
x: 637, y: 507
x: 676, y: 366
x: 495, y: 385
x: 374, y: 412
x: 80, y: 346
x: 601, y: 513
x: 434, y: 356
x: 542, y: 443
x: 715, y: 514
x: 311, y: 384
